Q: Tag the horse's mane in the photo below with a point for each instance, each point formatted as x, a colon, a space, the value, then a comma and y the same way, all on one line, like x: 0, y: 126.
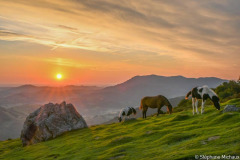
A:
x: 167, y: 102
x: 205, y: 86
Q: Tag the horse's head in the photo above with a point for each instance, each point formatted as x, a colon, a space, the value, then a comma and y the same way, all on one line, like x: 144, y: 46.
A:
x: 217, y: 105
x: 120, y: 119
x: 141, y: 107
x: 169, y: 108
x: 216, y: 102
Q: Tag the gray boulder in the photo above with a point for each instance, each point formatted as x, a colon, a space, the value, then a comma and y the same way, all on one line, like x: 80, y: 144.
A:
x: 231, y: 108
x: 49, y: 121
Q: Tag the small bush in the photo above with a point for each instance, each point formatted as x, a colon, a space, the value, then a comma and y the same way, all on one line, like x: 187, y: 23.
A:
x: 228, y: 90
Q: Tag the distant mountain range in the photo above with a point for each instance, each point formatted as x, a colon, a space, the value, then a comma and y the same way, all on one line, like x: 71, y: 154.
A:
x: 29, y: 94
x: 96, y: 104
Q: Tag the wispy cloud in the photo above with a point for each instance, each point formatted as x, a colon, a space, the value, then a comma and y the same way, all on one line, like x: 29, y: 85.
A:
x: 66, y: 62
x: 192, y: 32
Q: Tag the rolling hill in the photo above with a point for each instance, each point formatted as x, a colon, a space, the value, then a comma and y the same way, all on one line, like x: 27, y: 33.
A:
x: 96, y: 104
x: 177, y: 136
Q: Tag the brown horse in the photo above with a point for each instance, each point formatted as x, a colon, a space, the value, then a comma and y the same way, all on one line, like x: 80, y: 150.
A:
x: 155, y: 102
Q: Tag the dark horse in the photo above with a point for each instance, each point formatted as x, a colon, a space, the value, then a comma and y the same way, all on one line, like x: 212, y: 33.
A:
x: 155, y: 102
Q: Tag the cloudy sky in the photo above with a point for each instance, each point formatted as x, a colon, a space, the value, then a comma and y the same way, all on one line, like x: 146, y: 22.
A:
x: 108, y: 41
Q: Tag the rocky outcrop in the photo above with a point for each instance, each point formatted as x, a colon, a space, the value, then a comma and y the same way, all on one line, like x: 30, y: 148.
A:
x: 231, y: 108
x: 49, y: 121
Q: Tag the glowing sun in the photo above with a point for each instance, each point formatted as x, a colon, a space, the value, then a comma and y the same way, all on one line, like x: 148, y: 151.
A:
x: 59, y: 76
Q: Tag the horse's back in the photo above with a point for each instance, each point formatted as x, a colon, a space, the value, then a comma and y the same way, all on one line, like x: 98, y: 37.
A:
x: 154, y: 102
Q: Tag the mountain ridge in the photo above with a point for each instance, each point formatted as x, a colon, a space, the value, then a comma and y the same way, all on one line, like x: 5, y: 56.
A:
x: 91, y: 101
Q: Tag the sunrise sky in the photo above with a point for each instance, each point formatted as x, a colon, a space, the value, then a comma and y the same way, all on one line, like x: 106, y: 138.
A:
x: 109, y: 41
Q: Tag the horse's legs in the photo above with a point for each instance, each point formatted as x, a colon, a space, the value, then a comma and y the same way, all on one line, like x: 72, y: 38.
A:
x: 193, y: 103
x: 203, y: 103
x: 196, y: 105
x: 158, y: 111
x: 144, y: 113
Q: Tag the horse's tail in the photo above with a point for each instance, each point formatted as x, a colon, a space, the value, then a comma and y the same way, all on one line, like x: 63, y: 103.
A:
x: 141, y: 105
x: 188, y: 94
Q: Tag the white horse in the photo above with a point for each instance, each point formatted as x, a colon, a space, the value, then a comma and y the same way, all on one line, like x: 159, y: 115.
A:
x: 203, y: 93
x: 126, y: 112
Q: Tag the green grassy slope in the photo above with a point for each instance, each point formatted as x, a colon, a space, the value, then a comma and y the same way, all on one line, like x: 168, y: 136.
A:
x: 177, y: 136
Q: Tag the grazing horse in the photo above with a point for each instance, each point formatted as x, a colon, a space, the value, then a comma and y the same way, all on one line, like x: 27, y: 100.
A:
x: 154, y: 102
x: 126, y: 112
x: 203, y: 93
